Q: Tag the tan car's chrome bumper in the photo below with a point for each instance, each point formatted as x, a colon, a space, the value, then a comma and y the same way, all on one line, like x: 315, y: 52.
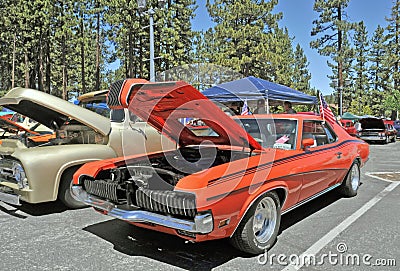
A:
x: 10, y: 198
x: 202, y: 223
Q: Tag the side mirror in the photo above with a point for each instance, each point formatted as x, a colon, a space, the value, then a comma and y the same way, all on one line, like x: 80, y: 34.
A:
x: 307, y: 142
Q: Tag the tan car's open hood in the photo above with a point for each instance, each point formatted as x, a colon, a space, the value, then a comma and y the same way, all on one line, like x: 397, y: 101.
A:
x: 50, y: 110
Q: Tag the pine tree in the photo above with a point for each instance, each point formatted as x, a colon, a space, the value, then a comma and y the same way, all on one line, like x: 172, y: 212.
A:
x: 359, y: 99
x: 332, y: 27
x: 393, y: 97
x: 8, y: 39
x: 347, y: 58
x: 379, y: 75
x: 175, y: 34
x: 242, y: 29
x: 301, y: 76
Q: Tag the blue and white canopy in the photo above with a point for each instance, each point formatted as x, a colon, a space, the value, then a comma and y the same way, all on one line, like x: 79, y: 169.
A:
x: 252, y: 88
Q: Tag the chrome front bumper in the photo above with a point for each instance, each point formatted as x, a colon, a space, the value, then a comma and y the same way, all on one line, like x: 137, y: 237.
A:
x: 10, y: 198
x: 202, y: 223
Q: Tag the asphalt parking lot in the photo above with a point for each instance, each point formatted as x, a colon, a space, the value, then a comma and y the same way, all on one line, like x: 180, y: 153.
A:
x: 329, y: 233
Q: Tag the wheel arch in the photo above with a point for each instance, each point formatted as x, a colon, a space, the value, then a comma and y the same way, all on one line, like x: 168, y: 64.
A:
x: 64, y: 169
x: 280, y: 190
x: 358, y: 160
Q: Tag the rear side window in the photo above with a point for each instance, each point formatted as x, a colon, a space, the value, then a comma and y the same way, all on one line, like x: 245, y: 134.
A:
x: 320, y: 131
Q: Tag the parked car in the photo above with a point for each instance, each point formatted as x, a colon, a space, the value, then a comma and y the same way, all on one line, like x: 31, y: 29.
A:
x: 36, y: 173
x: 234, y: 182
x: 348, y: 125
x: 391, y: 132
x: 374, y: 130
x: 396, y: 126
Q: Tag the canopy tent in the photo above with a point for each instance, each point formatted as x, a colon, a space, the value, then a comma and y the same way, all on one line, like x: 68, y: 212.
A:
x: 252, y: 88
x: 350, y: 116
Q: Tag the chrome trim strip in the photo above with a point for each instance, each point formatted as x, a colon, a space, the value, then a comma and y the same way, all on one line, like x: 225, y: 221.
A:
x: 252, y: 202
x: 311, y: 198
x: 203, y: 223
x: 10, y: 198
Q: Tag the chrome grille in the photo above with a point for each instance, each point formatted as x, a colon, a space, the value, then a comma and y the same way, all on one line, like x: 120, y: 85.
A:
x: 168, y: 202
x: 103, y: 189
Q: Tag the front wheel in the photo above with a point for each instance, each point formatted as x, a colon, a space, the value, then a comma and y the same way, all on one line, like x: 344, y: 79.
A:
x: 258, y: 230
x: 351, y: 183
x: 64, y: 190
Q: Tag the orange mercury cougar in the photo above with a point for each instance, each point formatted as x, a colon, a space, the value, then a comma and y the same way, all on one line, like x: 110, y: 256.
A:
x: 234, y: 180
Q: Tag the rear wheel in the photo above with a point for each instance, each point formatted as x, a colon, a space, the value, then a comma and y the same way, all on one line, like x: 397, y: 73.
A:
x: 258, y: 230
x: 64, y: 190
x: 351, y: 184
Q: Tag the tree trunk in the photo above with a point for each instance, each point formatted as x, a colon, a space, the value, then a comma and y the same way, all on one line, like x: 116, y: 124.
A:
x: 26, y: 69
x: 64, y: 68
x: 83, y: 90
x: 13, y: 62
x: 130, y: 53
x: 98, y: 51
x: 40, y: 71
x: 340, y: 64
x: 47, y: 87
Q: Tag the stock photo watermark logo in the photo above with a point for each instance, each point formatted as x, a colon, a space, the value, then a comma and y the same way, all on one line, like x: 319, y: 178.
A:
x: 339, y: 257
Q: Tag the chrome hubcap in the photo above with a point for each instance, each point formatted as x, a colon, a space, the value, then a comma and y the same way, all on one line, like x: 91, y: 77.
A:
x: 355, y: 177
x: 264, y: 220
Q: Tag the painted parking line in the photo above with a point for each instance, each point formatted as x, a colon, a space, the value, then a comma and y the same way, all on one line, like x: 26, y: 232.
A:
x: 327, y: 238
x: 394, y: 176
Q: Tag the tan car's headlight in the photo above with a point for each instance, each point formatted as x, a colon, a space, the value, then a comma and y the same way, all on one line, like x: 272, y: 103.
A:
x: 19, y: 175
x: 12, y: 171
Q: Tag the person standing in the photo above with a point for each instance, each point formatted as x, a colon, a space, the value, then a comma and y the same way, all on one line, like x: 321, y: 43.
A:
x: 287, y: 106
x: 260, y: 107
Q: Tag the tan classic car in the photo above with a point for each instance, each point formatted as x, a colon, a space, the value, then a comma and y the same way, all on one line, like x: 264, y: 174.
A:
x: 38, y: 173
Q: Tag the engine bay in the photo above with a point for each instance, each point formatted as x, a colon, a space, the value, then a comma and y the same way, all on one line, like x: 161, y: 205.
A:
x: 155, y: 176
x: 71, y: 132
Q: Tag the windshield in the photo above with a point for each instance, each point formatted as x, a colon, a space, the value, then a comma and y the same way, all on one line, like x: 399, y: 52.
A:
x: 272, y: 133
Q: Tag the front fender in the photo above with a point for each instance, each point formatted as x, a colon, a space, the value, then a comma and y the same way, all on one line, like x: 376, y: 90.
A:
x: 44, y: 165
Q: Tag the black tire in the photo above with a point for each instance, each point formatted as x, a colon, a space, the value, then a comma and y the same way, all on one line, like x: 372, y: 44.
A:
x: 352, y: 181
x: 246, y: 239
x: 64, y: 190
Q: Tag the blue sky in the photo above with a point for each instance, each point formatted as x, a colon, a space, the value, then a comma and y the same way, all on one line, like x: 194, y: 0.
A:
x: 298, y: 16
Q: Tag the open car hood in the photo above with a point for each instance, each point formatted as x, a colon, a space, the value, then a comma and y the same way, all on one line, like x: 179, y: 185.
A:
x: 179, y: 111
x: 52, y: 111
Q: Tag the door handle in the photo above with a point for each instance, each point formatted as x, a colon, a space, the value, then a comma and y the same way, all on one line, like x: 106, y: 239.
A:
x: 339, y: 155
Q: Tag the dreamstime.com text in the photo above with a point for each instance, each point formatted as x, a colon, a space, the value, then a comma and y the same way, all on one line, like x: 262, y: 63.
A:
x: 340, y: 257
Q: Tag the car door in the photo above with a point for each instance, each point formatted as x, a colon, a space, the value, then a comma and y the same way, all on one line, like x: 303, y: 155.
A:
x: 324, y: 162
